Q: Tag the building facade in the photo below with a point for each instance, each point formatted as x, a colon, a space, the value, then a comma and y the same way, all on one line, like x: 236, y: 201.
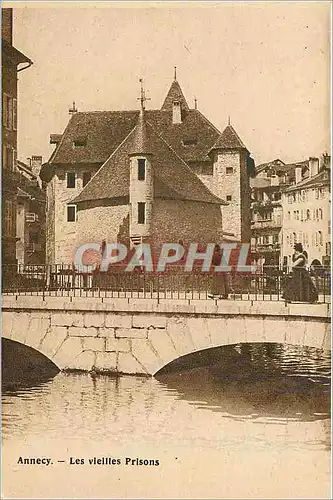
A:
x: 12, y: 59
x: 160, y: 175
x: 307, y: 212
x: 276, y: 225
x: 266, y: 210
x: 30, y: 216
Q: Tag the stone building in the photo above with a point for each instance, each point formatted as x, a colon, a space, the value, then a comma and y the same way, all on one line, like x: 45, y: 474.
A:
x: 266, y: 208
x: 12, y: 59
x: 30, y: 217
x: 307, y: 212
x: 152, y: 175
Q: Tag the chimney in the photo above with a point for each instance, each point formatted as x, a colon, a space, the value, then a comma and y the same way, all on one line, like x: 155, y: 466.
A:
x: 36, y: 165
x: 73, y: 109
x: 313, y: 166
x: 176, y: 112
x: 326, y: 160
x: 298, y: 174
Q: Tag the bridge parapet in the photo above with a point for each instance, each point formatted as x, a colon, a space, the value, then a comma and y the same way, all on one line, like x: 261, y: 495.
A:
x: 140, y: 336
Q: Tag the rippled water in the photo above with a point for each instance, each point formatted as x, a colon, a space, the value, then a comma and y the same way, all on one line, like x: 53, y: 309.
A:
x: 255, y: 424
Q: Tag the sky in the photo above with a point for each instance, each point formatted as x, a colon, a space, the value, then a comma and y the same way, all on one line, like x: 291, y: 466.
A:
x: 266, y: 65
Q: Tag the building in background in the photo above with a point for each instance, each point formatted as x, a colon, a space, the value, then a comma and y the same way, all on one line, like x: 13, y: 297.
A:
x: 30, y: 216
x: 281, y: 210
x: 13, y: 61
x: 126, y: 176
x: 307, y: 212
x: 266, y: 209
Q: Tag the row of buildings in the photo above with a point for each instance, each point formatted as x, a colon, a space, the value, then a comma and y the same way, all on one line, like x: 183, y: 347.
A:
x: 157, y: 175
x: 291, y: 204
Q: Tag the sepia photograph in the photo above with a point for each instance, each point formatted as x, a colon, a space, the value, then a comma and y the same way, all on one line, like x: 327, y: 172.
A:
x: 166, y: 250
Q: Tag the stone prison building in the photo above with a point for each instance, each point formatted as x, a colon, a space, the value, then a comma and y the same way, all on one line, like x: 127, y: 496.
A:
x: 162, y: 175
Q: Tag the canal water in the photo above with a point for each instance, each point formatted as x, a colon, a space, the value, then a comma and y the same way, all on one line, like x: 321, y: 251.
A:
x: 253, y: 424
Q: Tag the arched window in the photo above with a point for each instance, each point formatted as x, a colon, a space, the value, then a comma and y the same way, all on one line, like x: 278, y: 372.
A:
x: 320, y: 238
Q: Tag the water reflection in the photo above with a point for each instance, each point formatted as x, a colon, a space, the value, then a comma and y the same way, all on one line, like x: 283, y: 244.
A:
x: 260, y: 380
x: 265, y: 407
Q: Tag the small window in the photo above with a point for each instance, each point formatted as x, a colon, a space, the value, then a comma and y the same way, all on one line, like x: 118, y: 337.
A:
x: 141, y: 213
x: 229, y: 170
x: 79, y: 143
x: 14, y: 152
x: 141, y: 169
x: 71, y: 179
x: 7, y: 112
x: 14, y: 114
x: 86, y: 178
x: 229, y: 197
x: 190, y: 141
x: 9, y: 157
x: 71, y: 213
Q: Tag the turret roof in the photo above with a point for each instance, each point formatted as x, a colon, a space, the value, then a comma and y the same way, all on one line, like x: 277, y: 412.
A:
x: 229, y: 139
x: 140, y: 137
x: 175, y: 94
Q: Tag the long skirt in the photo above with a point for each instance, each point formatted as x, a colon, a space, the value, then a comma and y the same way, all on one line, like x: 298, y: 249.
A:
x: 299, y: 287
x: 220, y: 284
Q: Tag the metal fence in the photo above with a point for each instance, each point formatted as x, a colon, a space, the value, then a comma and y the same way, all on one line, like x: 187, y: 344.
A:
x: 174, y: 283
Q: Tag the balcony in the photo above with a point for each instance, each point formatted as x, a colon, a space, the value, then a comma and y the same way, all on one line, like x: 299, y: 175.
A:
x: 266, y: 224
x: 266, y: 204
x: 265, y: 247
x: 31, y: 217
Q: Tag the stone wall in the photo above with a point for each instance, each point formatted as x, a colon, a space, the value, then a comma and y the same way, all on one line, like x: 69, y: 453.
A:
x: 236, y: 216
x: 140, y: 336
x: 189, y: 221
x: 61, y: 235
x: 100, y: 223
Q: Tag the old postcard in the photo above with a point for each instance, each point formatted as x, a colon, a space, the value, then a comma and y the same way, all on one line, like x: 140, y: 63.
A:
x: 166, y: 250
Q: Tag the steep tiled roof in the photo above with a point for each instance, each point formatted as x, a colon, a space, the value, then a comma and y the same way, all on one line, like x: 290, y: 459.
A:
x: 175, y: 94
x: 105, y: 130
x: 229, y: 139
x: 172, y: 176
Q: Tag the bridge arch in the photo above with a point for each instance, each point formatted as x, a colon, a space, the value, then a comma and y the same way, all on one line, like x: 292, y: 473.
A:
x: 23, y: 365
x: 132, y: 336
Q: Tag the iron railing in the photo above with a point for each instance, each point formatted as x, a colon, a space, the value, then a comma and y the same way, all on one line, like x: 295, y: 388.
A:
x: 175, y: 283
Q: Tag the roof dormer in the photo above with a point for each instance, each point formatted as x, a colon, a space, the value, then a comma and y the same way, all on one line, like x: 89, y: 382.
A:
x: 175, y: 102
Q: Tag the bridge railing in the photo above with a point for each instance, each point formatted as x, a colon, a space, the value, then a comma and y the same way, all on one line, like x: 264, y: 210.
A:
x: 270, y: 283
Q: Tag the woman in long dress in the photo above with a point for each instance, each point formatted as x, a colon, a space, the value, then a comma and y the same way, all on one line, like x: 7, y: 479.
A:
x: 220, y: 280
x: 300, y: 288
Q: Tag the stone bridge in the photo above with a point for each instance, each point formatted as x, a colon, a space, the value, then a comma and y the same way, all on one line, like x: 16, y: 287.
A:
x: 140, y: 336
